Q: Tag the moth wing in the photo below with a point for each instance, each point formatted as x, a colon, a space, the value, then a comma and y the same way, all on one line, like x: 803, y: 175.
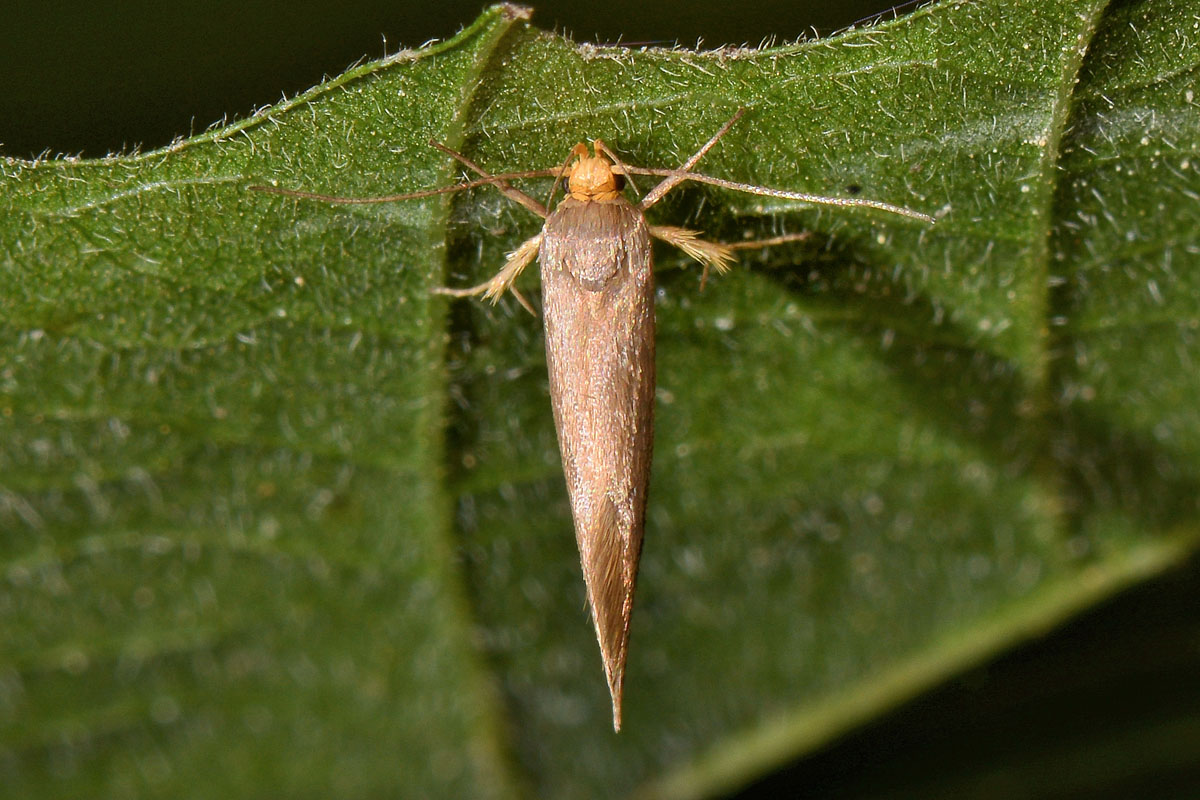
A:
x: 598, y: 302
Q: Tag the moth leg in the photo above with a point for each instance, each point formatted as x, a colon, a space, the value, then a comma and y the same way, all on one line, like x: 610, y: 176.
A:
x: 511, y: 193
x: 759, y: 243
x: 710, y: 254
x: 680, y: 175
x: 503, y: 280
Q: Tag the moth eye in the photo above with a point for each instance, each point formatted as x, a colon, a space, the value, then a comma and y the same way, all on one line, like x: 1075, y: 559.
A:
x: 618, y: 181
x: 565, y: 183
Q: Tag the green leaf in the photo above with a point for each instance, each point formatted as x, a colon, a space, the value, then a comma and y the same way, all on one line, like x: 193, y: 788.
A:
x: 279, y: 522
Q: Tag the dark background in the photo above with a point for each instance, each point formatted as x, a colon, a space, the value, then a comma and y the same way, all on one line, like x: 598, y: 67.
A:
x: 92, y: 78
x: 1105, y: 707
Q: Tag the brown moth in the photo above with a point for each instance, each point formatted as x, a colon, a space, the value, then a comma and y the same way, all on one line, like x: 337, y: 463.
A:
x: 598, y: 302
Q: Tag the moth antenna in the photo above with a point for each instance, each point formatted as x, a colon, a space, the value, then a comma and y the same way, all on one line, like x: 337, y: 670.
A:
x: 559, y: 175
x: 616, y: 159
x: 391, y: 198
x: 784, y: 194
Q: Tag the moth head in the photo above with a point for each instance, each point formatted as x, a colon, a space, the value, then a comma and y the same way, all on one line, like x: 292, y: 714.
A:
x: 593, y: 177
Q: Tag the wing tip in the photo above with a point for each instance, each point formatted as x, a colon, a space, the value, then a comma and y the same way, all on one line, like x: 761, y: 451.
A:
x: 610, y: 561
x: 614, y: 671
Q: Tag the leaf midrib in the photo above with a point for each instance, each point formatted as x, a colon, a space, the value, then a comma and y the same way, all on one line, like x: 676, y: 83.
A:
x: 496, y: 760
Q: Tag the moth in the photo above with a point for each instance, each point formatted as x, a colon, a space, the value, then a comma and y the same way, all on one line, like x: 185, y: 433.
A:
x: 598, y: 304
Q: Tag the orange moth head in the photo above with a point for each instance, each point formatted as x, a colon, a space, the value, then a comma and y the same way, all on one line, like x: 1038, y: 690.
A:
x: 593, y: 177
